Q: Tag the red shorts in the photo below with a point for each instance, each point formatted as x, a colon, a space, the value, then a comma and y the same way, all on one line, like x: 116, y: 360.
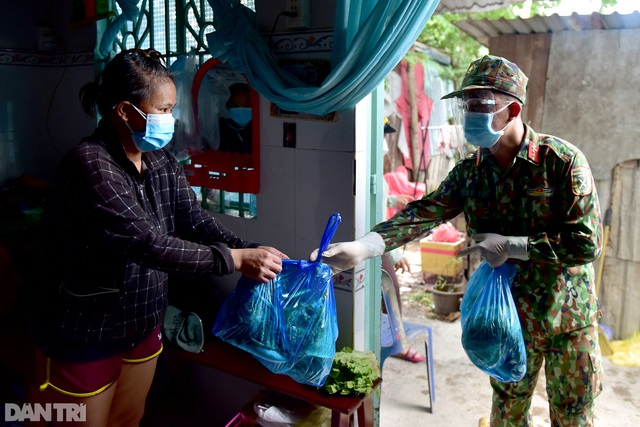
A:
x: 84, y: 379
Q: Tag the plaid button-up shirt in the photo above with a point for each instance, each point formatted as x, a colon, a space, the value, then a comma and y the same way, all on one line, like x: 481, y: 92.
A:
x: 113, y: 236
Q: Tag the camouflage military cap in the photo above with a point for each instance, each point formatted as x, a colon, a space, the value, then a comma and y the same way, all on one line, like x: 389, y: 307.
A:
x: 494, y: 73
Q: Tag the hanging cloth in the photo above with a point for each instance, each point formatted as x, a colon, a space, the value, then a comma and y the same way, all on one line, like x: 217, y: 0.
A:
x: 424, y: 104
x: 130, y: 12
x: 370, y: 38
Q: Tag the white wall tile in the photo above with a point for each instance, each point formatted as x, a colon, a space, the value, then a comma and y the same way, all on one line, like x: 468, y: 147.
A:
x: 324, y: 186
x: 276, y: 211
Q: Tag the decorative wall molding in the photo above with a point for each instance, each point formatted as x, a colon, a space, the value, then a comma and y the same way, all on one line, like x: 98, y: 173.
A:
x: 307, y: 42
x: 312, y: 42
x: 43, y: 59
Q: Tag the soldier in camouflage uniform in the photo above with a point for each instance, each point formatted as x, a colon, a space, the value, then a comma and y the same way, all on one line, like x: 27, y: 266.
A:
x: 528, y: 198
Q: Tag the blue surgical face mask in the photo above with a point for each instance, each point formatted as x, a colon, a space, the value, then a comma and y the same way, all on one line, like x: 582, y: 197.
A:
x: 478, y: 130
x: 158, y: 131
x: 240, y: 115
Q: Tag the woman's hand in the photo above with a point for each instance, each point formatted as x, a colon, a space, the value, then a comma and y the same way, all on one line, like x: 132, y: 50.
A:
x: 262, y: 263
x: 403, y: 265
x: 274, y: 251
x: 402, y: 200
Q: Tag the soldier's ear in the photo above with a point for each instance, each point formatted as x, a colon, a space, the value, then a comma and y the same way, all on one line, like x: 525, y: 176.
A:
x: 515, y: 108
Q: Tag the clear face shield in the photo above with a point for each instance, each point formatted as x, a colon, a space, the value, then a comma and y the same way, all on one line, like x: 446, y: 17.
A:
x: 473, y: 119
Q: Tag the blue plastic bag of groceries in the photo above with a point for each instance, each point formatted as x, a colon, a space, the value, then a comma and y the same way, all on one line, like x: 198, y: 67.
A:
x: 289, y: 324
x: 491, y: 332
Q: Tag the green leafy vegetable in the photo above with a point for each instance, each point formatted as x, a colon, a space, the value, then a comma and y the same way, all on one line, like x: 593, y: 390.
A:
x: 352, y: 373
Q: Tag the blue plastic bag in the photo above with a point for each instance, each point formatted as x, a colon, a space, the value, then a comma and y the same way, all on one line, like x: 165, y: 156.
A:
x: 491, y: 332
x: 289, y: 324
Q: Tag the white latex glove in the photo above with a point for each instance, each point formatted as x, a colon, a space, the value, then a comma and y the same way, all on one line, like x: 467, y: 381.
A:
x: 495, y: 249
x: 345, y: 255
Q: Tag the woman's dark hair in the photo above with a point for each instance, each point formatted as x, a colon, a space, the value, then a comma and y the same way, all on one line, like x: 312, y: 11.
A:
x: 236, y: 90
x: 129, y: 76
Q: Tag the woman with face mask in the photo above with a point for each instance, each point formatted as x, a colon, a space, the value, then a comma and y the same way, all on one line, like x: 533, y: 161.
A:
x: 121, y: 218
x: 235, y: 130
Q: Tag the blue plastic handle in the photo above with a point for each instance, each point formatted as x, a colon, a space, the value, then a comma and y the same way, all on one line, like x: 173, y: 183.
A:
x: 329, y: 231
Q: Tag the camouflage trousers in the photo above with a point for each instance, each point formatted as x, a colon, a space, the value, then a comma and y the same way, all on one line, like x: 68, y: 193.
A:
x: 573, y: 371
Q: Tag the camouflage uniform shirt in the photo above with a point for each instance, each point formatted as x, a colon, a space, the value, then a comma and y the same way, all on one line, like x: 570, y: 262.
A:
x: 548, y: 195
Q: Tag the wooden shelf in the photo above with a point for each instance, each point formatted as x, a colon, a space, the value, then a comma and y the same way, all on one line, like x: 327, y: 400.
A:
x: 231, y: 360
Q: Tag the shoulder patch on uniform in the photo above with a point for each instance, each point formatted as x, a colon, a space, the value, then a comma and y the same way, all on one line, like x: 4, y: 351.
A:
x: 534, y: 152
x: 581, y: 181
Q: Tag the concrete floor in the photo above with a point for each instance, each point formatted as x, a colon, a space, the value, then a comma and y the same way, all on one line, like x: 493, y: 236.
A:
x: 462, y: 391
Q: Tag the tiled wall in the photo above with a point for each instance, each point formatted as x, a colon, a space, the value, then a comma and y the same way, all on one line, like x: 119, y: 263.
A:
x: 40, y: 114
x: 301, y: 187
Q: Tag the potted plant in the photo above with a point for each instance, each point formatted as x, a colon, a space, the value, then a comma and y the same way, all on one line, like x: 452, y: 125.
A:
x: 447, y: 295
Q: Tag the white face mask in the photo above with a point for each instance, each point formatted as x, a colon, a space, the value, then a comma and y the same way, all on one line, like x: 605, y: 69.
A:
x: 158, y: 131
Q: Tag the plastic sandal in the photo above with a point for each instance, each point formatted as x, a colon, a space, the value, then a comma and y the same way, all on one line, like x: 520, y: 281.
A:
x: 410, y: 355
